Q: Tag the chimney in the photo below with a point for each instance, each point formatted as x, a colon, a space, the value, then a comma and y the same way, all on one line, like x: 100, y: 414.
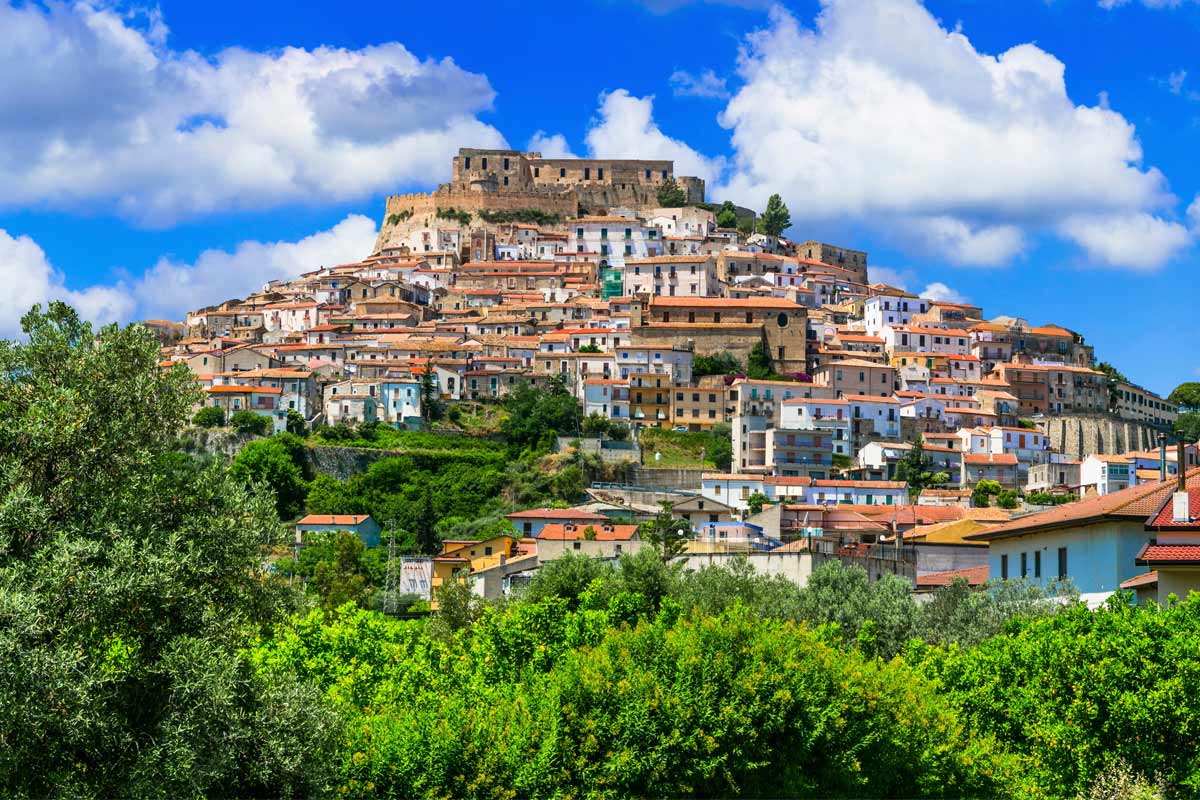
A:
x: 1180, y: 467
x: 1179, y: 507
x: 1162, y: 457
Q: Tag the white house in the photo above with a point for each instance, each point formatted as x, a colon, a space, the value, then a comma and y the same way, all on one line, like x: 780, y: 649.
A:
x: 1104, y: 474
x: 810, y: 413
x: 893, y: 308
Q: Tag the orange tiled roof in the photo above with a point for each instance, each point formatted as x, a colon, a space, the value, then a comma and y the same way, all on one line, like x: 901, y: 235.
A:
x: 1136, y: 502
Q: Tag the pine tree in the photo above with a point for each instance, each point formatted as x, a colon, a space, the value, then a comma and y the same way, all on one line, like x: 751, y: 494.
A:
x: 776, y: 219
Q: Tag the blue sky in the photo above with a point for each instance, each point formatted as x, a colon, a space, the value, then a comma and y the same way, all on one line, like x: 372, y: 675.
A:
x: 1033, y: 156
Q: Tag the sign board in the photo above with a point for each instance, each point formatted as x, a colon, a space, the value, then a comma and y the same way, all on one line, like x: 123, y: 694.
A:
x: 416, y: 577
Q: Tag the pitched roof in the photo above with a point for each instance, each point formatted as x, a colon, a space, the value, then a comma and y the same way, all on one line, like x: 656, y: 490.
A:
x: 1165, y: 517
x: 334, y: 519
x: 556, y: 513
x: 1140, y: 581
x: 1152, y: 554
x: 1135, y: 503
x: 604, y: 533
x: 975, y: 576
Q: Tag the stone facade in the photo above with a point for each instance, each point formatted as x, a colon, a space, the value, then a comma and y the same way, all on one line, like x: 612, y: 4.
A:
x: 511, y: 180
x: 1079, y: 435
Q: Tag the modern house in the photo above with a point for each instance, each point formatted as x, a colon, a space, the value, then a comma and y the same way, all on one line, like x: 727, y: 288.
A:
x: 362, y: 524
x: 1096, y: 542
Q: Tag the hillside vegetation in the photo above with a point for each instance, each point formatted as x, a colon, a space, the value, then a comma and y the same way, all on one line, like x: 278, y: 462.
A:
x: 146, y: 651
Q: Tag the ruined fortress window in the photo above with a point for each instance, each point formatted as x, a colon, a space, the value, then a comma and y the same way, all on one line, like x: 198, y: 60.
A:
x: 506, y: 180
x: 600, y: 173
x: 647, y: 174
x: 587, y: 173
x: 467, y: 162
x: 664, y: 174
x: 484, y: 162
x: 537, y: 172
x: 506, y: 163
x: 562, y: 172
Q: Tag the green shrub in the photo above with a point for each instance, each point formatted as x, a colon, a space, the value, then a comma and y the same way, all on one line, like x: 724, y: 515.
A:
x: 249, y: 423
x: 209, y: 417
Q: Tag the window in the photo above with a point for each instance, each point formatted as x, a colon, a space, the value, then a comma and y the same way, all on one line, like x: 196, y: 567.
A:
x: 506, y: 180
x: 1024, y: 564
x: 587, y: 173
x: 575, y: 545
x: 506, y: 167
x: 600, y: 173
x: 664, y: 174
x: 1062, y: 562
x: 1004, y: 567
x: 647, y: 174
x: 562, y: 172
x: 467, y: 162
x: 1037, y: 563
x: 483, y: 161
x: 537, y: 172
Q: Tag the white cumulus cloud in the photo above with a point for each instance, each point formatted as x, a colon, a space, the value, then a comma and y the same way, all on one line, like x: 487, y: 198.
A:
x: 170, y: 287
x: 941, y: 292
x: 881, y: 114
x: 625, y: 128
x: 29, y: 278
x: 1138, y: 241
x: 707, y: 84
x: 97, y: 111
x: 550, y: 146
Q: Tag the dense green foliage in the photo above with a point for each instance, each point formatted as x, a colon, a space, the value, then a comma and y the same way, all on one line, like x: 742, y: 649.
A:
x: 1186, y: 396
x: 1187, y: 426
x: 145, y: 651
x: 529, y: 216
x: 209, y: 417
x: 279, y: 464
x: 671, y: 194
x: 249, y: 423
x: 463, y: 218
x: 916, y: 469
x: 775, y: 218
x: 727, y: 215
x: 1074, y: 693
x: 722, y: 363
x: 336, y: 568
x: 536, y: 416
x: 1047, y: 499
x: 540, y: 701
x: 759, y: 365
x: 130, y: 581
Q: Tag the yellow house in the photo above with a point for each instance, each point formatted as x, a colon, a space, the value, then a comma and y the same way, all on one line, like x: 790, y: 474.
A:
x: 473, y: 556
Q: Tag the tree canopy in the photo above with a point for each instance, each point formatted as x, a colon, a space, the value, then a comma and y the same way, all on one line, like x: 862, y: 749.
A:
x: 670, y: 194
x: 775, y: 219
x: 727, y: 215
x: 130, y: 581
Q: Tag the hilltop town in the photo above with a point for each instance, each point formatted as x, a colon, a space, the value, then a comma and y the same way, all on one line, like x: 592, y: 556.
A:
x: 852, y: 408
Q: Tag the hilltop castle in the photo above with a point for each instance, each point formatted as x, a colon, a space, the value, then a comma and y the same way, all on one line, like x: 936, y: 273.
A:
x: 497, y: 186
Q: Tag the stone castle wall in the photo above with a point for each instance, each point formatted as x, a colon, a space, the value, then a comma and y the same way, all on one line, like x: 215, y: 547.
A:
x: 1080, y: 435
x: 425, y: 205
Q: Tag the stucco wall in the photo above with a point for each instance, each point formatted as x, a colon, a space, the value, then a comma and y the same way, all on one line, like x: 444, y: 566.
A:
x: 1099, y: 556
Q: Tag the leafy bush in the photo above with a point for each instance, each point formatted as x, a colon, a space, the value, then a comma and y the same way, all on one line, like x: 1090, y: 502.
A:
x: 528, y: 216
x: 209, y: 417
x: 248, y: 423
x: 1076, y: 693
x: 538, y: 701
x: 279, y: 464
x: 719, y: 364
